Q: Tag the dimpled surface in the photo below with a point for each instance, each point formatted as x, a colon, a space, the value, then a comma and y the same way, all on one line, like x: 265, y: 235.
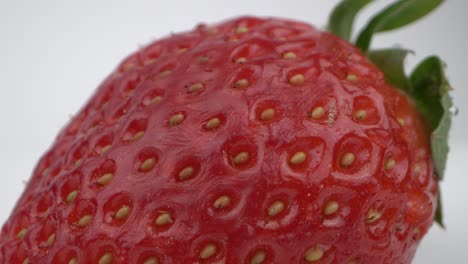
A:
x: 251, y: 141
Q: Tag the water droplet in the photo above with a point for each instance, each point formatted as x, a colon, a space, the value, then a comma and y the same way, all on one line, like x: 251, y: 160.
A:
x: 453, y: 110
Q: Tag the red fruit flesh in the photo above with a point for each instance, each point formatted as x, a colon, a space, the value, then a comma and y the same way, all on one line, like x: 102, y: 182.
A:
x: 253, y: 141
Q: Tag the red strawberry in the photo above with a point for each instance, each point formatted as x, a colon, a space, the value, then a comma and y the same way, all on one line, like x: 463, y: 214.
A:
x: 252, y: 141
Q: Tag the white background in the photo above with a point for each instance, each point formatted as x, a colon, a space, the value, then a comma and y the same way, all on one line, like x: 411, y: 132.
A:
x: 54, y: 53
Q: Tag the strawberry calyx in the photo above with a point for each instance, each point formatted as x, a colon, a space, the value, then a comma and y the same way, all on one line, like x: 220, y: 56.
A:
x: 427, y: 85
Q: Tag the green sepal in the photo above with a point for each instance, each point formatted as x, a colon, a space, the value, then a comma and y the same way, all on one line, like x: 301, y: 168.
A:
x: 399, y: 14
x: 438, y: 214
x: 431, y: 94
x: 342, y: 17
x: 391, y: 63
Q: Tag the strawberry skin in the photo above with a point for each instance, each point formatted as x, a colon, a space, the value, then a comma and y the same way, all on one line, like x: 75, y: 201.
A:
x: 251, y: 141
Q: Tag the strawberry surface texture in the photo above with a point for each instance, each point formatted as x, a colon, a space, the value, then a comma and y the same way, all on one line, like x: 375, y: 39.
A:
x: 250, y: 141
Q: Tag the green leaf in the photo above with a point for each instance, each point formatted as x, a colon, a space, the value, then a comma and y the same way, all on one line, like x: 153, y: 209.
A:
x: 431, y: 93
x: 342, y: 18
x: 392, y: 63
x: 395, y: 16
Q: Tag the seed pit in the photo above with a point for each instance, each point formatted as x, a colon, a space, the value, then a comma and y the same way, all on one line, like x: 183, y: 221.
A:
x: 82, y: 213
x: 104, y: 144
x: 117, y: 209
x: 365, y: 111
x: 135, y: 130
x: 103, y: 175
x: 153, y: 97
x: 147, y: 159
x: 390, y: 164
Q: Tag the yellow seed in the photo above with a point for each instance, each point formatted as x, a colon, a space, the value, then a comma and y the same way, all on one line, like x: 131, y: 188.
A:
x: 137, y: 136
x: 195, y: 87
x: 128, y: 66
x: 390, y: 164
x: 241, y: 60
x: 105, y: 149
x: 213, y: 123
x: 182, y: 50
x: 26, y: 261
x: 186, y: 173
x: 21, y: 233
x: 276, y: 208
x: 372, y: 216
x: 347, y: 159
x: 351, y: 77
x: 240, y: 158
x: 222, y: 202
x: 50, y: 240
x: 289, y: 55
x: 73, y: 261
x: 417, y: 168
x: 317, y: 113
x: 313, y: 254
x: 45, y: 172
x: 208, y: 251
x: 401, y: 121
x: 267, y: 114
x: 360, y: 115
x: 242, y: 83
x: 84, y: 221
x: 71, y: 196
x: 331, y: 207
x: 106, y: 258
x: 297, y: 79
x: 298, y: 158
x: 105, y: 179
x: 149, y: 61
x: 241, y: 30
x: 163, y: 219
x: 164, y: 73
x: 77, y: 163
x: 148, y: 164
x: 152, y: 260
x: 176, y: 119
x: 123, y: 212
x: 156, y: 100
x: 258, y: 258
x: 202, y: 59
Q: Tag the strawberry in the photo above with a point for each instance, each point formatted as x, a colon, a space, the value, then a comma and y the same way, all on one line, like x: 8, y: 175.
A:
x: 251, y: 141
